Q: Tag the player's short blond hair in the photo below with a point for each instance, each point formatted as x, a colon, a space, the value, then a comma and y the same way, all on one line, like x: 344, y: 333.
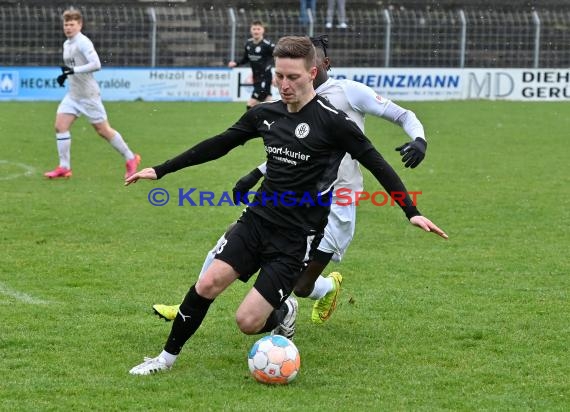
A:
x: 72, y: 14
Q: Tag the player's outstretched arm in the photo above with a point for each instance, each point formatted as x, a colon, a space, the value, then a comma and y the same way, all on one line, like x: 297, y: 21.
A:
x: 146, y: 173
x: 364, y: 99
x: 205, y: 151
x: 388, y: 178
x: 424, y: 223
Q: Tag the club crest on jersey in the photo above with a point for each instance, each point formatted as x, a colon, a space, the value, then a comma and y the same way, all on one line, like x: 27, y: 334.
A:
x: 257, y: 49
x: 302, y: 130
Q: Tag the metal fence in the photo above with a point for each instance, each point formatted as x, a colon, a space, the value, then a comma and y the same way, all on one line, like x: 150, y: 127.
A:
x: 195, y: 36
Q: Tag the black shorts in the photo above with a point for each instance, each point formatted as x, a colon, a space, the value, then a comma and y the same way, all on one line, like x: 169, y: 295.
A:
x: 256, y: 244
x: 261, y: 88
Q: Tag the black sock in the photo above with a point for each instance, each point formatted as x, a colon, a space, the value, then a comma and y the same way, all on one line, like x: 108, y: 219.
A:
x: 275, y: 318
x: 193, y: 308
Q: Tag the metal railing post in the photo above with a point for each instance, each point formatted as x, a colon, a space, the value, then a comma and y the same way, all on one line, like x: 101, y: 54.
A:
x: 311, y: 22
x: 232, y: 15
x: 152, y: 13
x: 536, y: 20
x: 387, y: 38
x: 463, y: 40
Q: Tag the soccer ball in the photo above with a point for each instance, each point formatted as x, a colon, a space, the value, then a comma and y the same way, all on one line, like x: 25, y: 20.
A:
x: 274, y: 359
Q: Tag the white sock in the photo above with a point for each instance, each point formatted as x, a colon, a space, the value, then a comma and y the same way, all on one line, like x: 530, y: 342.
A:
x: 64, y: 149
x: 211, y: 255
x: 322, y: 287
x: 119, y: 144
x: 168, y: 357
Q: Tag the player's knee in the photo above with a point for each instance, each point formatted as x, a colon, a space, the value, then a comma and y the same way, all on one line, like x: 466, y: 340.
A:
x: 248, y: 324
x: 207, y: 286
x: 60, y: 128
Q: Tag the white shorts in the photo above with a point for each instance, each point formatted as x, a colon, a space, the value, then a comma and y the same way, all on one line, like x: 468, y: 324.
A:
x: 92, y: 108
x: 339, y: 230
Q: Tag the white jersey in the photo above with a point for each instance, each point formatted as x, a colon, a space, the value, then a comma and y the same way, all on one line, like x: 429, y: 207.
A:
x: 79, y: 53
x: 356, y: 100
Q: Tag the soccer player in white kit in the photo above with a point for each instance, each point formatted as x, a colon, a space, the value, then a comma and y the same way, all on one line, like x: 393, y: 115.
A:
x: 356, y: 100
x: 82, y: 98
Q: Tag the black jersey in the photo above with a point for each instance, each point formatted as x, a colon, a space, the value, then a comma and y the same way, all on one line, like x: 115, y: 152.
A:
x: 304, y: 151
x: 260, y: 57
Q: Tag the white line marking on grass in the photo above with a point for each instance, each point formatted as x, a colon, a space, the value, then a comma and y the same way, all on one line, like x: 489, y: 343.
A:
x: 22, y: 297
x: 27, y: 170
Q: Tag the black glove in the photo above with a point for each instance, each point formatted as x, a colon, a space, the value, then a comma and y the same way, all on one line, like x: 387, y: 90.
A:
x: 413, y: 152
x: 65, y: 71
x: 244, y: 185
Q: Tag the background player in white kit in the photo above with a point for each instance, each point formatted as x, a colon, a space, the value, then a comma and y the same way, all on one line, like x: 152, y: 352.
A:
x: 82, y: 98
x: 356, y: 100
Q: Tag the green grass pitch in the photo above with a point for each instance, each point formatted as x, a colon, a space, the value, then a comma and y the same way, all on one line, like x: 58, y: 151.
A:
x: 478, y: 322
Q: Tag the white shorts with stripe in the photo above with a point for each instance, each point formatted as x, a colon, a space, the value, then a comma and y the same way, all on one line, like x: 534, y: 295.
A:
x: 339, y: 230
x: 92, y: 108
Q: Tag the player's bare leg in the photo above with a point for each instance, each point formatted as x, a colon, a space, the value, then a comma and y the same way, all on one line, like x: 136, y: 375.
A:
x: 325, y: 290
x: 306, y: 282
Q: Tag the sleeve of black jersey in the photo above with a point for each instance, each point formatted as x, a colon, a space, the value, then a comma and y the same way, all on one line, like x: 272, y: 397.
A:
x: 353, y: 141
x: 389, y: 179
x: 212, y: 148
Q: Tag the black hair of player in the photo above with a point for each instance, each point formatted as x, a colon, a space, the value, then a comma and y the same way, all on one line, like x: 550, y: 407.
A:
x: 322, y: 42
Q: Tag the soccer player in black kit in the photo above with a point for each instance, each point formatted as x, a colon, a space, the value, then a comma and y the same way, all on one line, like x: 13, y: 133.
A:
x: 259, y: 53
x: 305, y: 139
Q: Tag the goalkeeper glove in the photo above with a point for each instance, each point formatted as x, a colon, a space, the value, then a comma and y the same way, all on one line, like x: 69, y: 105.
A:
x: 65, y: 71
x: 413, y: 152
x: 244, y: 185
